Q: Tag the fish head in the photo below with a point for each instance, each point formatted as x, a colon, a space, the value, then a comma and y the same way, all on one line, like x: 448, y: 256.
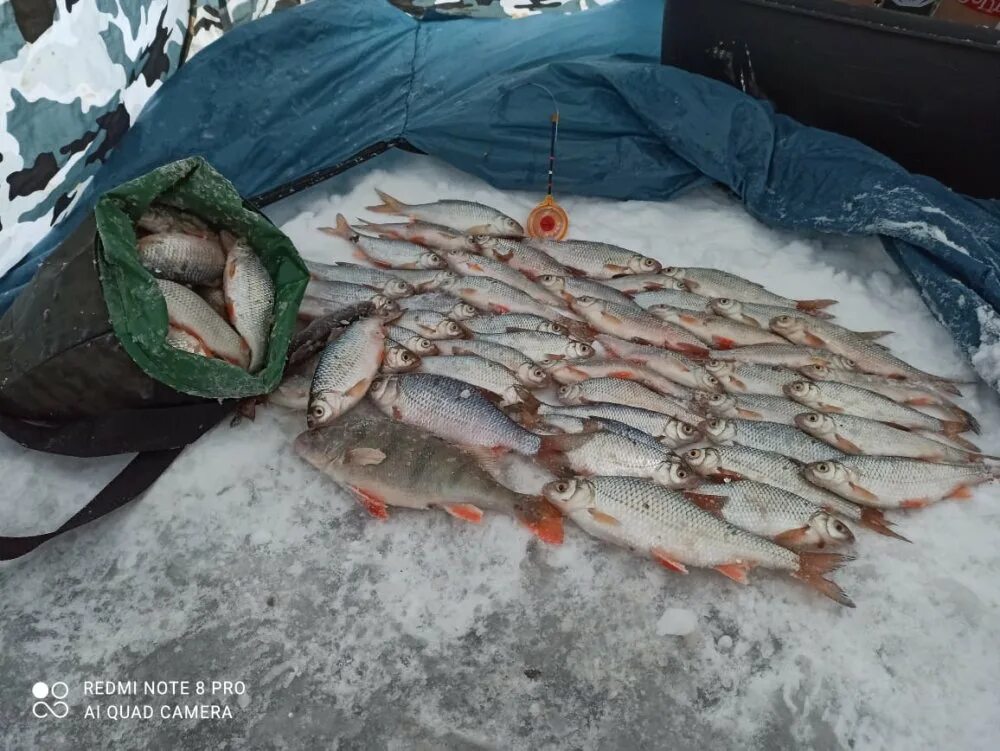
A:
x: 791, y: 327
x: 585, y: 304
x: 816, y: 424
x: 578, y: 350
x: 669, y: 282
x: 674, y: 272
x: 574, y: 494
x: 839, y: 362
x: 532, y: 375
x: 803, y: 392
x: 384, y: 390
x: 448, y: 329
x: 721, y: 405
x: 440, y: 280
x: 421, y: 346
x: 827, y: 529
x: 726, y: 306
x: 384, y: 308
x: 720, y: 367
x: 318, y: 447
x: 551, y: 327
x: 553, y: 283
x: 643, y: 265
x: 703, y: 461
x: 550, y: 363
x: 399, y: 360
x: 459, y: 256
x: 677, y: 433
x: 719, y: 430
x: 570, y: 393
x: 431, y: 260
x: 462, y: 312
x: 325, y: 408
x: 504, y: 226
x: 675, y: 475
x: 831, y: 475
x: 816, y: 372
x: 488, y: 245
x: 397, y: 288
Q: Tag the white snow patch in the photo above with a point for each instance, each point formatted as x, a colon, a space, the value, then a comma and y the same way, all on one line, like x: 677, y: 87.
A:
x: 677, y: 622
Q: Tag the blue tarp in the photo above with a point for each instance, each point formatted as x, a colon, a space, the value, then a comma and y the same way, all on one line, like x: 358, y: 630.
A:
x: 303, y: 90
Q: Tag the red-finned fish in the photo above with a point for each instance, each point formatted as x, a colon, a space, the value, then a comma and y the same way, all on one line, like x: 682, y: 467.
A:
x: 435, y: 236
x: 575, y: 371
x: 249, y: 293
x: 189, y: 313
x: 520, y: 255
x: 595, y: 259
x: 638, y: 325
x: 716, y: 283
x: 386, y: 254
x: 630, y: 393
x: 466, y: 216
x: 381, y: 280
x: 346, y: 369
x: 466, y: 264
x: 669, y: 364
x: 716, y: 331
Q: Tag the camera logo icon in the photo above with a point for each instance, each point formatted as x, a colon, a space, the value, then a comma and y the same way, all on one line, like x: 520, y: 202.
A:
x: 57, y: 691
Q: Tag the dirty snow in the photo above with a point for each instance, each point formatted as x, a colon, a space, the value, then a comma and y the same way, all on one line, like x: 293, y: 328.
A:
x: 245, y: 564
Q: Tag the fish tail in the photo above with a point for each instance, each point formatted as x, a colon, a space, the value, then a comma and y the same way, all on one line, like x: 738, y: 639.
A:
x: 951, y: 428
x: 948, y: 387
x: 343, y: 229
x: 820, y: 314
x: 529, y: 403
x: 812, y: 567
x: 965, y: 444
x: 813, y: 305
x: 873, y: 335
x: 389, y: 204
x: 579, y: 329
x: 542, y: 518
x: 875, y: 520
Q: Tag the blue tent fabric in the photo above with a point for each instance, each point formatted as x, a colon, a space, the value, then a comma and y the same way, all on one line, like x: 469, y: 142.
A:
x: 300, y: 91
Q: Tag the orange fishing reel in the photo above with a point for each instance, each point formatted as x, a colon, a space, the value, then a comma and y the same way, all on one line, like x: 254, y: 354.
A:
x: 548, y: 220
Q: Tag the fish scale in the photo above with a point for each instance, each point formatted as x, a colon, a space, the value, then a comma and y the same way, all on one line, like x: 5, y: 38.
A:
x: 596, y: 259
x: 436, y: 236
x: 181, y: 257
x: 676, y: 298
x: 524, y: 367
x: 628, y: 393
x: 430, y: 324
x: 467, y: 264
x: 635, y: 324
x: 714, y: 283
x: 439, y: 302
x: 249, y: 292
x: 468, y: 216
x: 751, y: 378
x: 633, y: 284
x: 520, y: 255
x: 754, y: 407
x: 672, y: 365
x: 188, y: 312
x: 388, y: 284
x: 539, y: 345
x: 576, y: 371
x: 497, y: 297
x: 609, y: 454
x: 501, y: 323
x: 769, y: 436
x: 479, y: 372
x: 570, y: 287
x: 720, y: 332
x: 750, y: 313
x: 672, y: 433
x: 788, y: 355
x: 830, y: 396
x: 412, y: 341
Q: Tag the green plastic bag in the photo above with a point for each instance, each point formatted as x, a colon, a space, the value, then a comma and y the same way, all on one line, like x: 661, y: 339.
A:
x: 136, y: 308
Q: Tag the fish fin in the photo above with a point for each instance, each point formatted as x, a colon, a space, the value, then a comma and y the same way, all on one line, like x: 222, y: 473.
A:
x: 375, y: 505
x: 626, y: 374
x: 530, y: 403
x: 873, y: 335
x: 912, y: 503
x: 695, y: 351
x: 948, y: 387
x: 822, y: 314
x: 397, y: 413
x: 737, y: 383
x: 389, y: 205
x: 550, y: 452
x: 479, y: 229
x: 921, y: 401
x: 542, y: 518
x: 365, y: 457
x: 952, y: 428
x: 961, y: 493
x: 748, y: 414
x: 965, y: 443
x: 499, y: 309
x: 863, y: 492
x: 813, y: 305
x: 711, y: 503
x: 723, y: 342
x: 485, y: 457
x: 812, y: 567
x: 603, y: 518
x: 875, y: 520
x: 359, y: 389
x: 614, y: 319
x: 735, y: 571
x: 792, y: 538
x: 343, y: 229
x: 688, y: 318
x: 814, y: 341
x: 846, y: 446
x: 475, y: 266
x: 465, y: 511
x: 662, y: 557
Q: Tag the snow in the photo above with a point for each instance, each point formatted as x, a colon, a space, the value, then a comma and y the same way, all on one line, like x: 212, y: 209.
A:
x: 243, y: 563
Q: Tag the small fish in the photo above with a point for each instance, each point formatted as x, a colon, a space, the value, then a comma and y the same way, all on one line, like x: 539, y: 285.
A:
x: 418, y: 345
x: 754, y: 407
x: 575, y: 371
x: 388, y: 284
x: 386, y: 254
x: 628, y: 393
x: 609, y: 454
x: 753, y: 314
x: 293, y: 391
x: 466, y: 264
x: 859, y: 435
x: 249, y: 293
x: 386, y: 463
x: 595, y: 259
x: 633, y: 284
x: 785, y: 518
x: 440, y: 302
x: 540, y: 346
x: 160, y: 219
x: 528, y: 372
x: 787, y: 355
x: 750, y: 378
x: 505, y: 322
x: 661, y: 523
x: 668, y: 431
x: 915, y: 393
x: 350, y: 295
x: 520, y: 255
x: 716, y: 283
x: 494, y: 296
x: 719, y: 332
x: 189, y: 313
x: 430, y: 324
x: 830, y: 396
x: 183, y: 258
x: 346, y: 368
x: 452, y: 410
x: 425, y: 280
x: 583, y: 424
x: 672, y: 365
x: 484, y: 374
x: 768, y: 436
x: 890, y: 482
x: 466, y: 216
x: 568, y: 288
x: 435, y: 236
x: 637, y: 325
x: 186, y: 342
x: 398, y: 359
x: 675, y: 298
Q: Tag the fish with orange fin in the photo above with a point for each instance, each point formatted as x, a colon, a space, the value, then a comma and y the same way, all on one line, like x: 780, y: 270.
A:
x: 717, y: 283
x: 635, y: 324
x: 661, y: 523
x: 386, y: 254
x: 345, y: 371
x: 434, y: 236
x: 387, y: 463
x: 467, y: 216
x: 715, y: 330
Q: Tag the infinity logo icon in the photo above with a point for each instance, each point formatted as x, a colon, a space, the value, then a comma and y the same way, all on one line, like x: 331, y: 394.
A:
x: 42, y: 691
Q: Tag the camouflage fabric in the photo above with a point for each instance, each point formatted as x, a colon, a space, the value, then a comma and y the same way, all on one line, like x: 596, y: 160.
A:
x: 492, y: 8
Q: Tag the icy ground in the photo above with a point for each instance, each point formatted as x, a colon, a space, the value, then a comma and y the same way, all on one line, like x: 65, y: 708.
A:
x: 243, y: 563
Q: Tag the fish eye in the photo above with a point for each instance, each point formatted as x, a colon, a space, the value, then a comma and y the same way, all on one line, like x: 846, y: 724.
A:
x: 812, y: 418
x: 681, y: 474
x: 670, y: 269
x: 317, y: 411
x: 823, y: 467
x: 784, y: 319
x: 839, y: 527
x: 537, y: 372
x: 711, y: 380
x: 693, y: 453
x: 585, y: 299
x: 562, y: 487
x: 725, y: 301
x: 716, y: 398
x: 648, y: 263
x: 547, y: 278
x: 687, y: 429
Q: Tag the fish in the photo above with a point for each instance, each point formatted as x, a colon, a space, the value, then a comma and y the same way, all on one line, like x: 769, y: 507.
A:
x: 647, y: 518
x: 431, y: 324
x: 629, y: 393
x: 466, y: 216
x: 785, y: 518
x: 787, y: 355
x: 440, y: 302
x: 568, y: 288
x: 830, y: 396
x: 381, y: 280
x: 666, y: 430
x: 719, y: 332
x: 185, y: 342
x: 184, y: 258
x: 751, y: 378
x: 386, y: 254
x: 753, y: 407
x: 425, y: 280
x: 753, y: 314
x: 893, y: 482
x: 249, y: 292
x: 637, y: 325
x: 484, y: 374
x: 418, y: 345
x: 575, y: 371
x: 159, y: 219
x: 596, y: 260
x: 347, y: 366
x: 381, y: 306
x: 573, y: 424
x: 293, y: 391
x: 915, y: 393
x: 503, y: 322
x: 859, y: 435
x: 527, y: 371
x: 672, y: 365
x: 633, y: 284
x: 435, y: 236
x: 716, y: 283
x: 676, y: 298
x: 609, y: 454
x: 743, y: 463
x: 386, y: 463
x: 189, y: 313
x: 494, y: 296
x: 867, y: 356
x: 215, y: 297
x: 467, y: 264
x: 452, y: 410
x: 520, y: 255
x: 539, y: 345
x: 398, y: 359
x: 769, y: 436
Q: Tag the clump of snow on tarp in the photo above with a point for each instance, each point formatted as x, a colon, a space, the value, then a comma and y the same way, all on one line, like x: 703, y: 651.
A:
x: 986, y: 359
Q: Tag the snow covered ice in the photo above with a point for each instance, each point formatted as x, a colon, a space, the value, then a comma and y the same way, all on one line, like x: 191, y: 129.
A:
x: 243, y: 563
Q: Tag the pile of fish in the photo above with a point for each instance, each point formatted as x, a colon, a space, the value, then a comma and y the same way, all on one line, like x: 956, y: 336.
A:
x: 687, y: 414
x: 219, y: 296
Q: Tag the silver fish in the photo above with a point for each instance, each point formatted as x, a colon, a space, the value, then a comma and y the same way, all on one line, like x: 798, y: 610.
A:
x: 638, y: 325
x: 575, y: 371
x: 629, y: 393
x: 717, y: 283
x: 398, y: 359
x: 436, y: 236
x: 183, y: 258
x: 663, y: 524
x: 504, y: 322
x: 418, y: 345
x: 540, y: 346
x: 425, y: 280
x: 754, y: 407
x: 346, y: 368
x: 452, y: 410
x: 483, y: 374
x: 668, y: 431
x: 574, y: 424
x: 189, y: 313
x: 787, y: 355
x: 186, y: 342
x: 527, y: 371
x: 520, y: 255
x: 633, y: 284
x: 440, y: 302
x: 768, y: 436
x: 494, y: 296
x: 753, y: 314
x: 388, y: 284
x: 293, y: 391
x: 750, y: 378
x: 215, y: 297
x: 669, y: 364
x: 158, y: 219
x: 568, y: 288
x: 386, y: 254
x: 466, y: 264
x: 430, y: 324
x: 675, y: 298
x: 912, y: 392
x: 466, y: 216
x: 719, y: 332
x: 596, y: 259
x: 609, y: 454
x: 382, y: 307
x: 249, y: 293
